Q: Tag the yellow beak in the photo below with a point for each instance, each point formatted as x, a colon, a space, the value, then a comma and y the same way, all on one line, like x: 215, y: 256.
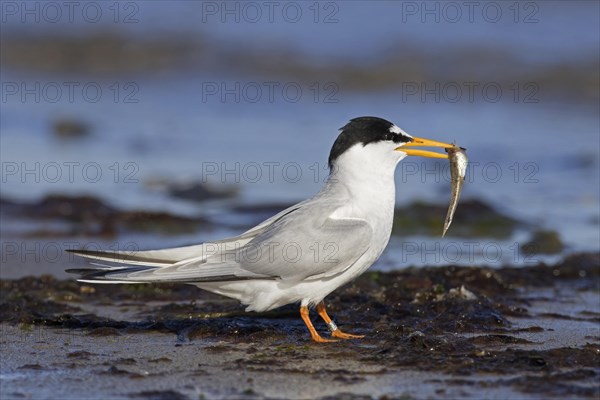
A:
x: 420, y: 142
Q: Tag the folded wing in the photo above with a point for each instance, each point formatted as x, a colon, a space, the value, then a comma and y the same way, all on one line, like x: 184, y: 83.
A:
x: 301, y: 243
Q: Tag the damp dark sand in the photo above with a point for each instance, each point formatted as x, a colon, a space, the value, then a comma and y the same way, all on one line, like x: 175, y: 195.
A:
x: 447, y: 332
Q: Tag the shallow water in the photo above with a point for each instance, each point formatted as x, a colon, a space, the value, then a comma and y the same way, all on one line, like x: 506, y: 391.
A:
x: 534, y: 154
x: 525, y: 159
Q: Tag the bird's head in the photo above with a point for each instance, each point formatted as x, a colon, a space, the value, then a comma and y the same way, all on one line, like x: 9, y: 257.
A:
x: 377, y: 141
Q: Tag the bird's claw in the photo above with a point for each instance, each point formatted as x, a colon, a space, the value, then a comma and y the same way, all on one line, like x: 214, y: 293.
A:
x: 341, y: 335
x: 319, y: 339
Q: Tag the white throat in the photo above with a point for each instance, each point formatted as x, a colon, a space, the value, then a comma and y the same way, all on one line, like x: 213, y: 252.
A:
x: 367, y: 173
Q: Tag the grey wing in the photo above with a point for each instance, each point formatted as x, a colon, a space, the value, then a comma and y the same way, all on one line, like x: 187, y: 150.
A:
x: 301, y: 250
x: 171, y: 256
x: 200, y: 263
x: 304, y: 244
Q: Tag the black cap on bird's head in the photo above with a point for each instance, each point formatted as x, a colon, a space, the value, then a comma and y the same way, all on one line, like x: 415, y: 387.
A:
x: 367, y: 130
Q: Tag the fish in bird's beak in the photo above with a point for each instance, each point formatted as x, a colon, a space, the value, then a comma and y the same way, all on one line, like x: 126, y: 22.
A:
x: 420, y: 142
x: 458, y: 170
x: 458, y: 167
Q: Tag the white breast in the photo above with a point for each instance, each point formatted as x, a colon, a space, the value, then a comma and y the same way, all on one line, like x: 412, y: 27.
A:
x: 365, y: 176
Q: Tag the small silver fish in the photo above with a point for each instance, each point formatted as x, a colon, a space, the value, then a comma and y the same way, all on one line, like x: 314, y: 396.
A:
x: 458, y: 170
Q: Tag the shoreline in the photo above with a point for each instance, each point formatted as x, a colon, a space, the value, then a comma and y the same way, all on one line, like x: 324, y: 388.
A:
x: 444, y: 332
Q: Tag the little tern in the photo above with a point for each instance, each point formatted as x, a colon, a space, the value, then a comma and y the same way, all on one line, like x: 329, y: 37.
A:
x: 303, y: 253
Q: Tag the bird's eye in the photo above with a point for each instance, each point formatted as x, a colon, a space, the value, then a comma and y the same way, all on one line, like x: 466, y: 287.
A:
x: 394, y: 138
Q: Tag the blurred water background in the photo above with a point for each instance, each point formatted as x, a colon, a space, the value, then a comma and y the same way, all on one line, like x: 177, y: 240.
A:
x: 124, y: 101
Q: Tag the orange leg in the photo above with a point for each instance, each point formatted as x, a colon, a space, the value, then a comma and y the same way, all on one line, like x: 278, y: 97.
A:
x: 313, y: 332
x: 335, y: 331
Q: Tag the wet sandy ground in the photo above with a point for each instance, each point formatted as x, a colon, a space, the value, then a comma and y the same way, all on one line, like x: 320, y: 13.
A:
x: 451, y: 332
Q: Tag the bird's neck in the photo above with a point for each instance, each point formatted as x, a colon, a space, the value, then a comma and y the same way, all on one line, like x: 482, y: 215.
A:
x: 370, y: 188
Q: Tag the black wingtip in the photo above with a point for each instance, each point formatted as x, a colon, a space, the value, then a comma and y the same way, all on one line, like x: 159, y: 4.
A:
x: 90, y: 273
x: 83, y: 252
x: 79, y: 251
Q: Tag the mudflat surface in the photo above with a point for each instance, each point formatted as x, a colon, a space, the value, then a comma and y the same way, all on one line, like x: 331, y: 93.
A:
x: 446, y: 332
